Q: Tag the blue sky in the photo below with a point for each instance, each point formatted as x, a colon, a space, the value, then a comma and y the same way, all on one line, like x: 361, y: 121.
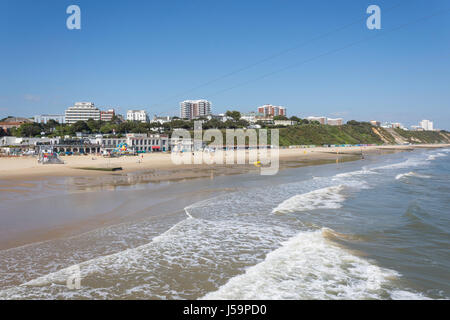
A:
x: 154, y: 54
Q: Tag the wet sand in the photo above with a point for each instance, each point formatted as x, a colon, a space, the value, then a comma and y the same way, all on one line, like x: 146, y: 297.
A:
x: 32, y: 219
x: 20, y: 168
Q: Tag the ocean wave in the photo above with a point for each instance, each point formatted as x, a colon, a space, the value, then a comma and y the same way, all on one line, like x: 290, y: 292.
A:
x: 308, y: 266
x: 363, y: 171
x: 411, y: 174
x: 405, y: 164
x: 437, y: 155
x: 326, y: 198
x: 181, y: 263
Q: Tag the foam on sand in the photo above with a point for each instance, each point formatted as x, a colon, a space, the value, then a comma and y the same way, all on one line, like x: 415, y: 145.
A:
x: 309, y: 266
x: 326, y: 198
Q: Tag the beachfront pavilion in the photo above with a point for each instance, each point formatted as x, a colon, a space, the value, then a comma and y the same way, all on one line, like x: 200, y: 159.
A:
x: 86, y: 149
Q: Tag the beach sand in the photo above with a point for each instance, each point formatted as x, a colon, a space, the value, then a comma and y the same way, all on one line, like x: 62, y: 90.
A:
x: 27, y: 167
x: 77, y: 211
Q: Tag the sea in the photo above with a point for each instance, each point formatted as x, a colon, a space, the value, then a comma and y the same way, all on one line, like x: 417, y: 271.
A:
x: 376, y: 228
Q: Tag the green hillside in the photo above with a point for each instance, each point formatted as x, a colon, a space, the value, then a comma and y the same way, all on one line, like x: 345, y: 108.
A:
x: 309, y: 134
x: 355, y: 133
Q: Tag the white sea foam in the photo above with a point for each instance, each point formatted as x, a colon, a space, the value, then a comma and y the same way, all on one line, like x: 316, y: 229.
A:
x: 411, y: 174
x: 182, y: 255
x: 437, y: 155
x: 363, y: 171
x: 405, y: 164
x: 407, y: 295
x: 326, y: 198
x: 308, y: 266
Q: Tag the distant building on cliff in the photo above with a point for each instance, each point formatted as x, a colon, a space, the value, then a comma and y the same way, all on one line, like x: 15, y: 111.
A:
x: 270, y: 110
x: 321, y: 120
x: 45, y: 118
x: 192, y: 109
x: 335, y: 122
x: 137, y: 115
x: 82, y: 111
x: 426, y: 125
x: 107, y: 115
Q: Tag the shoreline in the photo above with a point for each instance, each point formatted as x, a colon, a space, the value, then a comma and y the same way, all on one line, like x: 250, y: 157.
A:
x: 98, y: 181
x: 27, y: 168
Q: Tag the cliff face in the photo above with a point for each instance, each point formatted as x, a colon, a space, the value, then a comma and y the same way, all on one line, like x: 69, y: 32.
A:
x: 424, y: 136
x: 359, y: 133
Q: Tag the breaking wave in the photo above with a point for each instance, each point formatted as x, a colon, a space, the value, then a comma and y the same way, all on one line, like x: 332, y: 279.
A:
x: 326, y: 198
x: 411, y: 174
x: 309, y: 266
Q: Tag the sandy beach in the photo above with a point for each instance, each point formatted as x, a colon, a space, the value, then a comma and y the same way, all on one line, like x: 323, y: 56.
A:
x: 160, y: 231
x: 19, y: 168
x: 24, y: 178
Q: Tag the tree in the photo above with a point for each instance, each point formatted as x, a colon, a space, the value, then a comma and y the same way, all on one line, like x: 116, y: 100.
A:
x: 106, y: 128
x: 303, y: 121
x: 230, y: 124
x: 353, y: 123
x: 296, y: 119
x: 236, y: 115
x: 126, y: 127
x: 29, y: 130
x: 79, y: 126
x: 213, y: 124
x: 94, y: 126
x: 280, y: 118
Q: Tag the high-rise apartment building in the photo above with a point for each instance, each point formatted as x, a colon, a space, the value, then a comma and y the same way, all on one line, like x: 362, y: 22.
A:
x: 82, y: 111
x: 191, y: 109
x: 270, y: 110
x: 426, y: 125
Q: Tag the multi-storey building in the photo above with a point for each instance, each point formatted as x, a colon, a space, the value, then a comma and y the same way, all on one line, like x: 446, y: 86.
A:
x: 321, y: 120
x: 252, y: 117
x: 284, y: 123
x: 335, y: 122
x: 161, y: 120
x: 82, y: 111
x: 426, y: 125
x: 148, y: 143
x: 44, y: 118
x: 192, y: 109
x: 375, y: 123
x: 270, y: 110
x: 136, y: 142
x: 137, y: 115
x: 107, y: 115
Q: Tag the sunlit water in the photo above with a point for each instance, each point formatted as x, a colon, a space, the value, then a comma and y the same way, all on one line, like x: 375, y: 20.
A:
x: 372, y: 229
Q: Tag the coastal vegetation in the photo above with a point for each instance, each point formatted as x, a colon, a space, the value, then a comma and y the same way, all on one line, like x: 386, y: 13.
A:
x: 303, y: 132
x: 424, y: 136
